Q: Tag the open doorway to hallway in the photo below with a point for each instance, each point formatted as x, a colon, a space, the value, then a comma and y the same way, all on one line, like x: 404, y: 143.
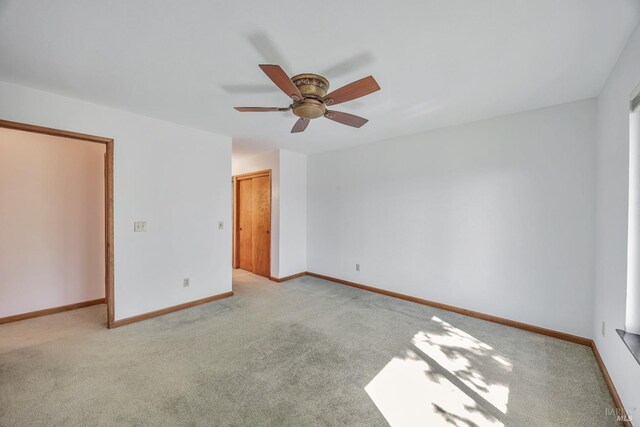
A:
x: 56, y: 224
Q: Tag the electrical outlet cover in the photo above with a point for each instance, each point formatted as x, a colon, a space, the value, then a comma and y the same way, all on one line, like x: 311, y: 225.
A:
x: 140, y: 226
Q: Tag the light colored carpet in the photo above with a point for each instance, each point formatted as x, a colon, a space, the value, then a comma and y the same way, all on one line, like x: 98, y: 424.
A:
x: 303, y: 352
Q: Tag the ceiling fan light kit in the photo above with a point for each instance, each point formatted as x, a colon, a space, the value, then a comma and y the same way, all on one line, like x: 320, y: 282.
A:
x: 313, y: 89
x: 310, y: 99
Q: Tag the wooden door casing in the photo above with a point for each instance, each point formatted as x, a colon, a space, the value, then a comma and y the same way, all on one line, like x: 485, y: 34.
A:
x: 252, y: 222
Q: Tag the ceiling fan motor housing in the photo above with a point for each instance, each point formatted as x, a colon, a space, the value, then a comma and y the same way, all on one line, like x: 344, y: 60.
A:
x: 313, y: 88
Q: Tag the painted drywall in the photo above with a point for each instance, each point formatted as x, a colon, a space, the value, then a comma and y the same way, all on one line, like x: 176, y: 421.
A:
x: 496, y: 216
x: 175, y: 178
x: 262, y: 161
x: 51, y: 221
x: 293, y: 213
x: 438, y: 62
x: 288, y: 207
x: 612, y: 222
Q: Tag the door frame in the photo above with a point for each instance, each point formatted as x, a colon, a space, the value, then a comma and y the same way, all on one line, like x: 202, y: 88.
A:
x: 236, y: 236
x: 108, y: 198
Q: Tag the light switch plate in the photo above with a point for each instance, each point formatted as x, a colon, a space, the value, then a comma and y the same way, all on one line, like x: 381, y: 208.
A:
x: 220, y: 225
x: 140, y: 226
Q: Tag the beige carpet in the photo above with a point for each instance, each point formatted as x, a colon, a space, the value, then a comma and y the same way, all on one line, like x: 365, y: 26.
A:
x: 303, y: 352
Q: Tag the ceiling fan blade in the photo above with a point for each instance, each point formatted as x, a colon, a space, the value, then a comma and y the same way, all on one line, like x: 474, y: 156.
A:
x: 268, y: 48
x: 353, y: 90
x: 280, y: 78
x: 259, y: 109
x: 248, y: 88
x: 300, y: 125
x: 346, y: 118
x: 348, y: 65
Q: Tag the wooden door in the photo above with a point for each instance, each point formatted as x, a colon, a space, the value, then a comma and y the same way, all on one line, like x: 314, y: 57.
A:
x: 245, y: 226
x: 253, y: 223
x: 261, y: 220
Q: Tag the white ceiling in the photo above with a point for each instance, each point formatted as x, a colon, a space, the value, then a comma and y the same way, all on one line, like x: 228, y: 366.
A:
x: 439, y: 63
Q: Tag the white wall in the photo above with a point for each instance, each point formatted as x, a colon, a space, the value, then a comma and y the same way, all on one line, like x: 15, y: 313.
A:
x: 288, y: 207
x: 174, y: 177
x: 293, y: 213
x: 612, y: 209
x: 496, y: 216
x: 51, y: 221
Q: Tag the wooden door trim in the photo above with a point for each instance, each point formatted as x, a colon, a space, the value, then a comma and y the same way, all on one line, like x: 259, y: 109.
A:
x: 54, y: 132
x: 236, y: 236
x: 257, y: 174
x: 108, y: 194
x: 167, y: 310
x: 48, y: 311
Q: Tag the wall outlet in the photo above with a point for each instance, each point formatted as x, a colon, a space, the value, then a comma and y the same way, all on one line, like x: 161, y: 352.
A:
x: 220, y: 225
x: 185, y: 282
x: 603, y: 328
x: 140, y: 226
x: 357, y: 267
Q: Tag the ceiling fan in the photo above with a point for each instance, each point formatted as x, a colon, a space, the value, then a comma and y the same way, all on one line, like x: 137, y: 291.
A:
x: 310, y: 99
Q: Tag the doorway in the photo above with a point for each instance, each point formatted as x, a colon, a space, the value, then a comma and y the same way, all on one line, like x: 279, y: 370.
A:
x: 252, y: 222
x: 106, y: 167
